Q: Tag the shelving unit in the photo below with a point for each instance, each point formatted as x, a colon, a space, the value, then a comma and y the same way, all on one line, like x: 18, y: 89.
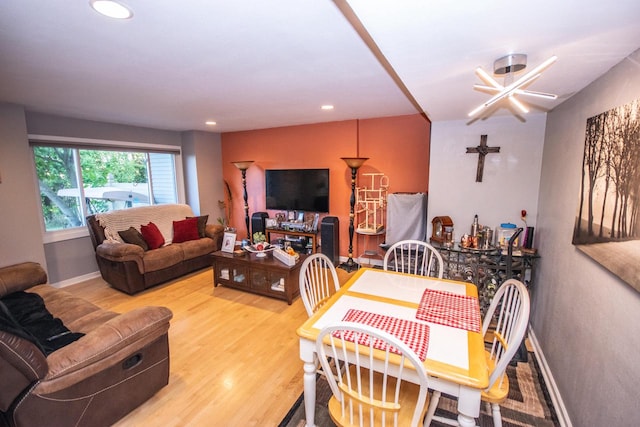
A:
x: 371, y: 246
x: 370, y: 212
x: 371, y: 204
x: 310, y: 245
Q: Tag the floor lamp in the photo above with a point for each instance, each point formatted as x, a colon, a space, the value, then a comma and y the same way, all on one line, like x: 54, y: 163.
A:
x: 243, y: 166
x: 354, y: 163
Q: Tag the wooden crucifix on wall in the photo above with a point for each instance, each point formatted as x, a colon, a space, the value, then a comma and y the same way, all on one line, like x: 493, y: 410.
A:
x: 482, y: 151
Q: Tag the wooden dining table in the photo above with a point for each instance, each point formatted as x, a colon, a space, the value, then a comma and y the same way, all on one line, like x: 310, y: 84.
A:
x: 455, y: 360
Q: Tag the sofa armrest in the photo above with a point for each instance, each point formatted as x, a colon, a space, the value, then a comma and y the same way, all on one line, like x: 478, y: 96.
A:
x: 116, y: 251
x: 215, y: 232
x: 121, y: 252
x: 212, y: 230
x: 21, y: 364
x: 104, y: 346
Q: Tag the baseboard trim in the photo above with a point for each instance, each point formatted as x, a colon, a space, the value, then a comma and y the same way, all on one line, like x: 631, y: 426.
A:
x: 76, y: 279
x: 556, y: 398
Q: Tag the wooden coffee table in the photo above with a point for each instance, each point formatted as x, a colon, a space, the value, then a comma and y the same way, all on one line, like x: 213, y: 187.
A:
x: 263, y: 276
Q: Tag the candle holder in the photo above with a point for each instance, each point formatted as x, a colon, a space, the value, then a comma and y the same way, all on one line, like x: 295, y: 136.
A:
x: 354, y: 163
x: 243, y: 166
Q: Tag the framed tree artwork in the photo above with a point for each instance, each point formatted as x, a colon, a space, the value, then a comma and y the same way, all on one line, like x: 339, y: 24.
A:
x: 607, y: 226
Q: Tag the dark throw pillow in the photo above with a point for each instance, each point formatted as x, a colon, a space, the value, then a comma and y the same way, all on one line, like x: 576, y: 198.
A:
x: 202, y: 224
x: 185, y: 230
x: 133, y: 236
x: 152, y: 235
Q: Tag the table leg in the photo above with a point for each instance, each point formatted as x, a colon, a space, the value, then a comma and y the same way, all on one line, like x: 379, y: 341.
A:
x: 308, y: 356
x: 310, y: 393
x: 465, y: 421
x: 468, y: 406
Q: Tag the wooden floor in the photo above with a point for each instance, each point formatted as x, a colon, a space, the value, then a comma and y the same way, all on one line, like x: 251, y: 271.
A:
x: 234, y: 355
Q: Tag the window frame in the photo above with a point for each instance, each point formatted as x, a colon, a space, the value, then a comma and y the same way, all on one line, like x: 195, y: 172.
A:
x: 96, y: 144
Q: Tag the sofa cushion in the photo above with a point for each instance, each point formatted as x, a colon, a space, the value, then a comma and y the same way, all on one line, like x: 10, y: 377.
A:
x: 133, y: 236
x: 30, y: 319
x: 76, y: 313
x: 196, y: 248
x: 152, y: 235
x: 164, y: 257
x: 185, y: 230
x: 202, y: 224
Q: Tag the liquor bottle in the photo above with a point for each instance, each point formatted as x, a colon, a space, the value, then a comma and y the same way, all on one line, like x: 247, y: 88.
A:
x: 474, y: 226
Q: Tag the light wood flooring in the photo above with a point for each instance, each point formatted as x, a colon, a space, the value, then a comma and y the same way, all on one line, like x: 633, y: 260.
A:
x: 234, y: 355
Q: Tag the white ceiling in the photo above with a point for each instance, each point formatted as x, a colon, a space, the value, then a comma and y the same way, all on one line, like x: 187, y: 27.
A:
x: 259, y: 64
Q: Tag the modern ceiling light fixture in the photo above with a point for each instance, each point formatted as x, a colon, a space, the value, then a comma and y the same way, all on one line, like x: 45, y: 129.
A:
x: 111, y: 9
x: 508, y: 66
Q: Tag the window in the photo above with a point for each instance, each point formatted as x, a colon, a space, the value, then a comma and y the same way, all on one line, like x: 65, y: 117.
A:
x: 78, y: 181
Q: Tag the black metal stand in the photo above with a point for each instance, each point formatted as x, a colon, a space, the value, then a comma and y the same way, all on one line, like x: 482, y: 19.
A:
x: 243, y: 166
x: 350, y: 265
x: 246, y: 203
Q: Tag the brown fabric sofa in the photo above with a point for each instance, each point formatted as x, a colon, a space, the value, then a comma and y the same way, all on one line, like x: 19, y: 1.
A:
x: 120, y: 362
x: 131, y: 269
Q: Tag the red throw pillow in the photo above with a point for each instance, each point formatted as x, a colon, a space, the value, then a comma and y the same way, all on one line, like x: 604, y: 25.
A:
x: 185, y: 230
x: 152, y: 235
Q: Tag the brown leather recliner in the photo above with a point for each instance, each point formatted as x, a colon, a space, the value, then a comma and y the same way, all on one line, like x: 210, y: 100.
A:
x: 120, y: 362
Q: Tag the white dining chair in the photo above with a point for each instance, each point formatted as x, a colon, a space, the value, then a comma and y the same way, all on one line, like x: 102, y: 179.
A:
x: 414, y: 257
x: 362, y: 396
x: 509, y: 326
x: 318, y: 281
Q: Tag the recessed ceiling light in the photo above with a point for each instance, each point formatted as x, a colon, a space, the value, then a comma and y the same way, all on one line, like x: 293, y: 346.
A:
x: 111, y: 9
x: 210, y: 123
x: 327, y: 107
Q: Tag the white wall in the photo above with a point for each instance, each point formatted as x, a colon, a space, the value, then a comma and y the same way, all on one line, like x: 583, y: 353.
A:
x: 511, y: 177
x: 20, y: 228
x: 190, y: 168
x: 585, y: 318
x: 202, y: 159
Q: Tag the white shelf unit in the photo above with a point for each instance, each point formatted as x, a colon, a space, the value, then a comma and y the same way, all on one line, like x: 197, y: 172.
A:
x: 370, y: 212
x: 371, y: 204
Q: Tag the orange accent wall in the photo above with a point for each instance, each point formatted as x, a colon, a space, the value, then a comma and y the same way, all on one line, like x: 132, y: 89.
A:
x: 396, y: 146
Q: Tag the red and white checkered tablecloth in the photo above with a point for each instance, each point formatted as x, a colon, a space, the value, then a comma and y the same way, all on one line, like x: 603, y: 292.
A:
x: 446, y: 308
x: 414, y: 334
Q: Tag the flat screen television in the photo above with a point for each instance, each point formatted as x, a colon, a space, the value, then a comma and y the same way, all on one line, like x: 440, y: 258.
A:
x: 297, y: 189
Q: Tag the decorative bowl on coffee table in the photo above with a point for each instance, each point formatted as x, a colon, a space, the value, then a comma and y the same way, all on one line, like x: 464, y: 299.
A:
x: 260, y: 249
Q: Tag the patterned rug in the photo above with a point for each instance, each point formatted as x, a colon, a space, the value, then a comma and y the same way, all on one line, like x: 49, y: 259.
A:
x: 528, y: 403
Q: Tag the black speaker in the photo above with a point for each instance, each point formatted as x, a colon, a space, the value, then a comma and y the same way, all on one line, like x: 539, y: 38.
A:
x: 257, y: 222
x: 330, y: 238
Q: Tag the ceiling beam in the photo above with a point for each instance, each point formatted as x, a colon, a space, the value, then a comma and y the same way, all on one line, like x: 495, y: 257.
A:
x: 357, y: 25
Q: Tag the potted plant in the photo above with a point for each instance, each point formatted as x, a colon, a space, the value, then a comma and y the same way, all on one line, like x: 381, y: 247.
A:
x: 259, y: 238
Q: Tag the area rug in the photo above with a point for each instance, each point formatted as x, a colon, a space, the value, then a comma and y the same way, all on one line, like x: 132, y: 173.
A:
x: 528, y: 403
